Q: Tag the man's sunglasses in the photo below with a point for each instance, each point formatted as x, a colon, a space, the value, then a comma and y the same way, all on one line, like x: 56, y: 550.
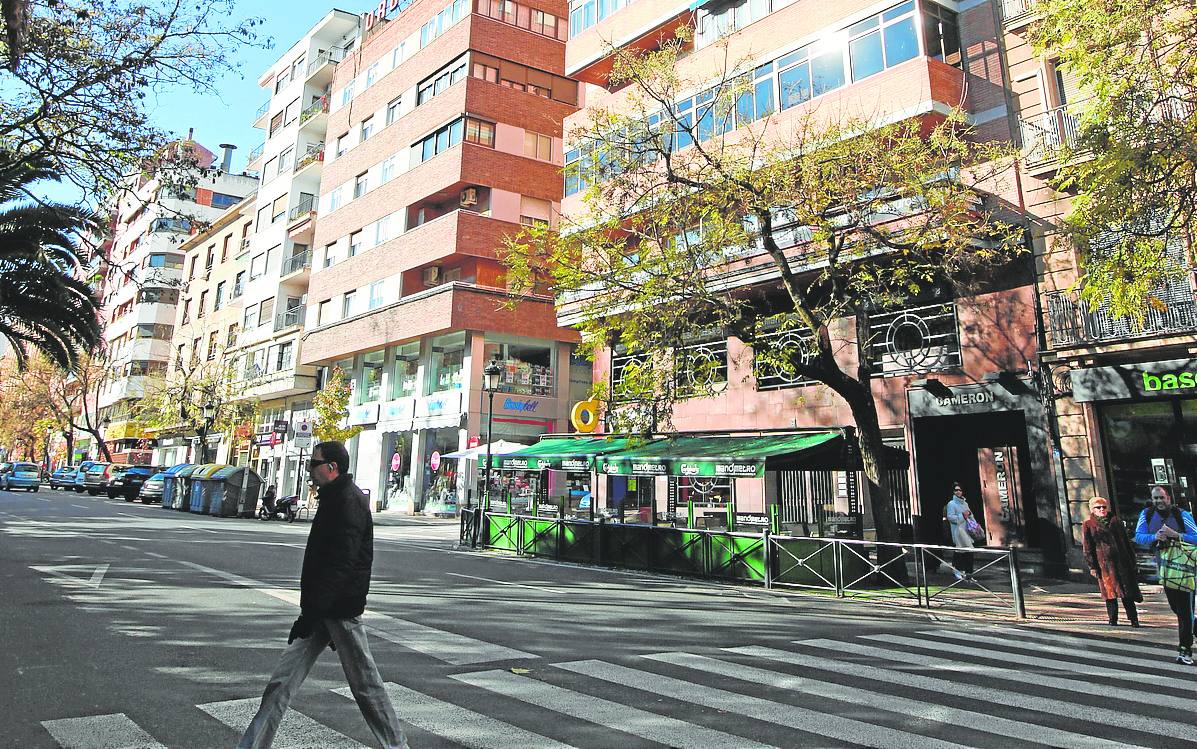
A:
x: 313, y: 463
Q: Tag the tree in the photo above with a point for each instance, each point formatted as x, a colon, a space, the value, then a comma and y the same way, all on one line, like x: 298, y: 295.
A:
x: 80, y: 72
x: 24, y: 416
x: 1132, y: 170
x: 851, y: 217
x: 43, y: 304
x: 331, y: 404
x: 71, y: 396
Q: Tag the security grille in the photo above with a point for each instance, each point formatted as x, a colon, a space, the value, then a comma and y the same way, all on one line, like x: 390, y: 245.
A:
x: 916, y: 339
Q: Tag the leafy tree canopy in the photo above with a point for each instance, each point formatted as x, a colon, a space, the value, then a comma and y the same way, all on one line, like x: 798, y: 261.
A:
x: 331, y: 404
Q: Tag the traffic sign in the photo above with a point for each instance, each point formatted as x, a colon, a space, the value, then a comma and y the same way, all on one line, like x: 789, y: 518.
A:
x: 303, y: 427
x: 303, y: 441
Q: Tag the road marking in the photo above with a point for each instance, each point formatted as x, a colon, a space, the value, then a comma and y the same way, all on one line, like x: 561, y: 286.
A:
x: 660, y: 728
x: 115, y: 731
x: 457, y: 724
x: 1015, y: 729
x: 155, y: 554
x: 450, y: 647
x: 296, y: 729
x: 840, y: 728
x: 60, y: 571
x: 81, y: 507
x: 1121, y: 646
x: 1163, y: 683
x: 503, y: 582
x: 891, y: 675
x: 1078, y: 650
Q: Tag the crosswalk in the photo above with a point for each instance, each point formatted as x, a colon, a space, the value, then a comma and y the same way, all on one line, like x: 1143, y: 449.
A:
x: 925, y: 688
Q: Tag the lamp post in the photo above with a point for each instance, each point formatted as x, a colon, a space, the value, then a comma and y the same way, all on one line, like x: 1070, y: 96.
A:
x: 490, y: 383
x: 209, y: 417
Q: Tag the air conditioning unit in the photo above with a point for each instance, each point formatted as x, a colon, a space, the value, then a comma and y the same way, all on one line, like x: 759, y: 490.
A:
x: 432, y: 275
x: 469, y: 196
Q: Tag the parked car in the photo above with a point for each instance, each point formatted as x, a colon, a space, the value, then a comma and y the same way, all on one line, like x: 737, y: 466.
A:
x: 81, y: 474
x: 27, y: 476
x: 127, y: 481
x: 64, y: 478
x: 152, y: 489
x: 96, y: 480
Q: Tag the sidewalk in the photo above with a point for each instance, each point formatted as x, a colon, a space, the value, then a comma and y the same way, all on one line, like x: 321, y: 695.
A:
x: 1077, y: 607
x: 394, y: 517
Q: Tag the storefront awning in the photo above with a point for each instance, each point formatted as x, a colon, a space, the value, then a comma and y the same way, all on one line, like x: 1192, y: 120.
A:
x: 721, y: 456
x: 561, y: 454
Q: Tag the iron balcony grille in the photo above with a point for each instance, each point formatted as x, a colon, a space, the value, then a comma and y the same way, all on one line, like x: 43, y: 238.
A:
x: 320, y: 106
x: 313, y: 154
x: 916, y: 339
x: 297, y: 262
x: 1016, y: 10
x: 322, y: 59
x: 1045, y: 135
x: 255, y: 153
x: 771, y: 376
x: 289, y: 319
x: 305, y: 206
x: 1072, y: 322
x: 262, y: 109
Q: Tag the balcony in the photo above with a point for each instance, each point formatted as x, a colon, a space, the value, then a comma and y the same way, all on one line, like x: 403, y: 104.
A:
x: 1071, y: 322
x: 296, y: 263
x: 315, y: 112
x: 290, y: 319
x: 260, y: 115
x: 314, y: 155
x: 305, y: 207
x: 254, y: 156
x: 320, y: 69
x: 1016, y: 13
x: 243, y: 247
x: 1045, y: 136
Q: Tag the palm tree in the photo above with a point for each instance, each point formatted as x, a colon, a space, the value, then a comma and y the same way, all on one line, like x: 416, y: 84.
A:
x: 42, y: 303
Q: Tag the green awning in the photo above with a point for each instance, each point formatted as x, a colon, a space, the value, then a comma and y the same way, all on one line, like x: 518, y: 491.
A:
x: 721, y: 456
x: 561, y: 454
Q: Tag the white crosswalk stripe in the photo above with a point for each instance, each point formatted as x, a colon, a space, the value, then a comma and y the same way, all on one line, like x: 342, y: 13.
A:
x: 296, y: 731
x: 1023, y: 660
x: 1157, y: 653
x: 465, y: 727
x: 115, y: 731
x: 803, y: 719
x: 806, y: 684
x: 652, y: 726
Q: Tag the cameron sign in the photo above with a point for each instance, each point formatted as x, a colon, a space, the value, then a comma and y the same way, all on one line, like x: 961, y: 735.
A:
x: 385, y: 8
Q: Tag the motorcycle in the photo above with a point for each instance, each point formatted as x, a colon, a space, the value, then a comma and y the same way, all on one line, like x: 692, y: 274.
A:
x: 283, y: 508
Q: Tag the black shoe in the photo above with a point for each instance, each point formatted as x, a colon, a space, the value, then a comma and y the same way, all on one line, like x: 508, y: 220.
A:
x: 1135, y: 623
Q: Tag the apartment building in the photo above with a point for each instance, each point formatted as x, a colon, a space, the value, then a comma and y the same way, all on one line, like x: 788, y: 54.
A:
x: 141, y: 286
x: 444, y: 136
x: 206, y: 327
x: 279, y: 248
x: 1121, y: 393
x: 958, y: 397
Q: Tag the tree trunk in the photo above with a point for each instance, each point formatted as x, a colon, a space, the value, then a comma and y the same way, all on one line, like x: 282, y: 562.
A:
x: 69, y: 435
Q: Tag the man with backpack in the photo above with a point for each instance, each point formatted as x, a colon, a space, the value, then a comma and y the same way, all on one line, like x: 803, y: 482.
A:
x: 1161, y: 523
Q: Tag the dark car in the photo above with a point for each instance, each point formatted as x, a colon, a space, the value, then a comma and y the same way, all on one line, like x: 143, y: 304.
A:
x: 81, y: 474
x: 153, y: 488
x: 64, y: 478
x: 127, y: 481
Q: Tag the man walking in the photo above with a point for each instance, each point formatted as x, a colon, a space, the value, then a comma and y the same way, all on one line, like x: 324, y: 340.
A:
x: 1161, y: 523
x: 333, y: 588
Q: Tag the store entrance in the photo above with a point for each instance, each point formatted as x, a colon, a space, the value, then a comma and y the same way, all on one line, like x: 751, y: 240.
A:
x: 1146, y: 444
x: 976, y: 450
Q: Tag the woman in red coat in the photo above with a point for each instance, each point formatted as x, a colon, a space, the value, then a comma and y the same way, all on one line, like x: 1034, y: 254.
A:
x: 1111, y: 560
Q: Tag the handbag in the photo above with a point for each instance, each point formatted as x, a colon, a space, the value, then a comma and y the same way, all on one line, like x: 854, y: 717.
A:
x: 974, y: 529
x: 1178, y: 566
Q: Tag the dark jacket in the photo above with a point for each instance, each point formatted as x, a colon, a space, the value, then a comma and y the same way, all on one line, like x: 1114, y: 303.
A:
x: 1108, y: 552
x: 339, y: 554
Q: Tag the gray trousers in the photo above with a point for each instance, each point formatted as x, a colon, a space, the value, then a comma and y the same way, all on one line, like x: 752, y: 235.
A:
x: 365, y: 682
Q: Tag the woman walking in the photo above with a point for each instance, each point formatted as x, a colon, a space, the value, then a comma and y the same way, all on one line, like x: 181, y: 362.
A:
x: 958, y: 514
x: 1111, y: 560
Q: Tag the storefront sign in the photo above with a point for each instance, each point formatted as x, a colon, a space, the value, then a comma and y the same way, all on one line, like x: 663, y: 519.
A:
x: 751, y: 518
x: 364, y: 414
x: 1143, y: 380
x: 281, y: 426
x: 682, y: 467
x: 439, y: 404
x: 576, y: 465
x: 399, y: 410
x: 266, y: 438
x: 434, y: 460
x: 970, y: 399
x: 520, y: 405
x: 517, y: 463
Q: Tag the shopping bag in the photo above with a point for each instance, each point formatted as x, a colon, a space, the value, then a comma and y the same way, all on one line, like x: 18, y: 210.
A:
x: 974, y: 529
x: 1178, y: 566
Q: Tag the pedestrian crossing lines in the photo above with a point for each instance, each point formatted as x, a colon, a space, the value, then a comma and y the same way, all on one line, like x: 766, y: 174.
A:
x: 932, y: 688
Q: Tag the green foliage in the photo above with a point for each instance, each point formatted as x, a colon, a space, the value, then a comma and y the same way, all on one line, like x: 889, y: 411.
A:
x: 1133, y: 169
x: 176, y: 401
x: 332, y: 409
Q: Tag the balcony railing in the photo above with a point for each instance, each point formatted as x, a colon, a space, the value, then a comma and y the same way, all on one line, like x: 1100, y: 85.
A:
x: 289, y: 319
x: 1071, y: 322
x: 302, y: 208
x: 330, y: 57
x: 262, y: 110
x: 255, y: 154
x: 1044, y: 136
x: 297, y: 262
x: 1016, y: 10
x: 320, y: 106
x: 311, y: 156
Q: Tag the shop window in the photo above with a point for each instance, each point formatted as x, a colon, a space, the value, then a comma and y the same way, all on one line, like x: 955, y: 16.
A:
x: 372, y: 366
x: 448, y: 362
x: 405, y: 365
x: 527, y: 368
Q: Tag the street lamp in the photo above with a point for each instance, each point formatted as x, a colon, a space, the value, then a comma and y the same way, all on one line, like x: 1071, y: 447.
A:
x: 209, y: 412
x: 490, y: 383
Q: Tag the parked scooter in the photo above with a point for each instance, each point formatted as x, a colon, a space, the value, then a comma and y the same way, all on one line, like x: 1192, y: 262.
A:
x: 282, y: 509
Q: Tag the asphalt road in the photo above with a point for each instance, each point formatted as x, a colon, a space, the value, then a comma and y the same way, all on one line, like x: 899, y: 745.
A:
x: 133, y: 626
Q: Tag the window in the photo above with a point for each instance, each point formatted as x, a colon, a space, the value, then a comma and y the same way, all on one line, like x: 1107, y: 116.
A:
x: 701, y: 367
x: 441, y: 80
x: 534, y: 211
x: 212, y: 343
x: 221, y: 200
x: 158, y: 296
x: 347, y: 303
x: 482, y: 133
x: 388, y: 168
x: 585, y: 13
x: 324, y: 312
x: 941, y: 33
x: 276, y: 123
x: 257, y: 266
x: 279, y: 209
x: 218, y: 301
x: 523, y: 78
x: 341, y: 144
x: 263, y: 217
x: 283, y: 357
x: 292, y: 112
x: 360, y: 184
x: 297, y: 67
x: 347, y: 93
x: 161, y: 260
x: 537, y: 146
x: 355, y: 243
x: 203, y: 304
x: 536, y: 21
x: 443, y: 21
x: 917, y: 339
x: 335, y: 198
x: 527, y: 368
x: 393, y: 109
x: 405, y: 370
x: 439, y: 141
x: 372, y: 74
x: 231, y: 340
x: 192, y: 266
x: 448, y: 359
x: 238, y: 284
x: 384, y: 229
x: 284, y: 159
x: 224, y: 248
x: 367, y: 129
x: 372, y: 365
x: 377, y: 290
x: 266, y: 312
x: 330, y: 256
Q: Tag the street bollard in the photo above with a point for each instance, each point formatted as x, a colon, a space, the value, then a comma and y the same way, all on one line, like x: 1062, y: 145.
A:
x: 1016, y: 585
x: 767, y: 557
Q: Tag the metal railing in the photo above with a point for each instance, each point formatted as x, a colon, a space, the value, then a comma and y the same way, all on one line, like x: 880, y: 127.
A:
x: 923, y: 575
x: 328, y: 57
x: 306, y: 205
x: 311, y: 156
x: 1013, y: 10
x: 320, y: 106
x: 1045, y: 135
x: 289, y: 319
x: 256, y: 153
x: 1070, y: 320
x: 297, y: 262
x: 262, y: 110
